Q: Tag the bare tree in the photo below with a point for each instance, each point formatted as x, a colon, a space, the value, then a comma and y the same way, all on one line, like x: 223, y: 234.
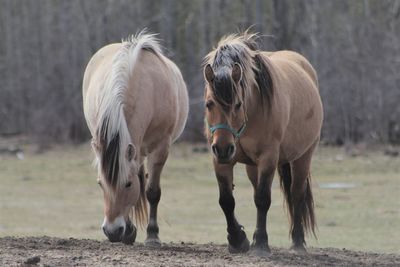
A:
x: 354, y: 46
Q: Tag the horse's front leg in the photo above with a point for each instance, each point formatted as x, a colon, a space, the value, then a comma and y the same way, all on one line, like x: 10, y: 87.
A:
x: 262, y: 200
x: 155, y: 163
x: 237, y: 239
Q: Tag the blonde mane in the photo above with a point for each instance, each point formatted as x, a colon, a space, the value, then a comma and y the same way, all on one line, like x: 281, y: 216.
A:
x: 112, y: 132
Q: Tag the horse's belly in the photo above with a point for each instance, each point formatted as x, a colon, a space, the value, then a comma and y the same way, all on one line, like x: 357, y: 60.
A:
x: 304, y: 126
x: 298, y: 140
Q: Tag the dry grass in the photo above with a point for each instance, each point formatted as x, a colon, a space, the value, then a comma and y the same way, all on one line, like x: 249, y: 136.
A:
x: 56, y: 194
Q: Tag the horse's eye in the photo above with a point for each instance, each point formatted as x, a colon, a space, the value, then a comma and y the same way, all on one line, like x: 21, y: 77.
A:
x: 128, y: 184
x: 238, y: 105
x: 99, y: 183
x: 209, y: 104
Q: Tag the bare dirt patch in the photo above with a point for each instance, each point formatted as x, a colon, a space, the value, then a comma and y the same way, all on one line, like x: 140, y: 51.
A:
x: 48, y: 251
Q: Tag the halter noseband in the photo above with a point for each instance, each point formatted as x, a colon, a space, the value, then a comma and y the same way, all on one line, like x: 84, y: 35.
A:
x: 225, y: 126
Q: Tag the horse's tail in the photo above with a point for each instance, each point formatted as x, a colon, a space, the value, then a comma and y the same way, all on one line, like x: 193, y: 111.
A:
x: 307, y: 207
x: 286, y: 182
x: 141, y: 213
x: 307, y: 212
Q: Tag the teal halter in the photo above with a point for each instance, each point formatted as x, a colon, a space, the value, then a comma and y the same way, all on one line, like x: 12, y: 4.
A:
x: 225, y: 126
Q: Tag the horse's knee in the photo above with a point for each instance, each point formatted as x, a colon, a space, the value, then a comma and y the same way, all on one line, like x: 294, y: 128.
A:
x: 262, y: 199
x: 262, y: 192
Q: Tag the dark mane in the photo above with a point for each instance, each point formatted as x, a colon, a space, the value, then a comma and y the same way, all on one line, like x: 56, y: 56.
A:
x: 109, y: 154
x: 242, y: 49
x: 224, y: 88
x: 226, y: 55
x: 263, y: 79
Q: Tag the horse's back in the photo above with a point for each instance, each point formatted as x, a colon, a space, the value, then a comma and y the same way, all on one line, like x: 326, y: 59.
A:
x: 298, y: 59
x: 155, y: 98
x: 159, y: 86
x: 93, y: 78
x: 296, y: 76
x: 102, y: 58
x: 181, y: 99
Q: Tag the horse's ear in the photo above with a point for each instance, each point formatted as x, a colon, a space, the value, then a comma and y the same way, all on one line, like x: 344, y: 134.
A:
x: 209, y: 73
x: 130, y: 152
x: 236, y: 72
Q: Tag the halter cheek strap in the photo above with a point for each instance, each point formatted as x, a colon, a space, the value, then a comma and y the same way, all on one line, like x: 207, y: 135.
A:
x: 225, y: 126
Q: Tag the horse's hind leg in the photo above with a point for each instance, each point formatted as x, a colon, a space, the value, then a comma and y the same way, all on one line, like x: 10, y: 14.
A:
x: 237, y: 239
x: 155, y: 164
x: 301, y: 200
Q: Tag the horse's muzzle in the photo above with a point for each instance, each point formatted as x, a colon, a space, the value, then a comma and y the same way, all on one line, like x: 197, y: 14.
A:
x: 125, y: 235
x: 116, y: 235
x: 223, y: 154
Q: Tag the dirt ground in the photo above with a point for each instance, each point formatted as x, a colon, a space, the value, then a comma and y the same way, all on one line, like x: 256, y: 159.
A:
x: 48, y: 251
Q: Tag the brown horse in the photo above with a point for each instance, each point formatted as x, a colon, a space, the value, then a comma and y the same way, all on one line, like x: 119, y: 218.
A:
x: 136, y: 104
x: 263, y: 109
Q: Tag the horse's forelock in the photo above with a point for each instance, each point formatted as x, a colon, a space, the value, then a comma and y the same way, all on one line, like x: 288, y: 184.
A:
x: 243, y: 49
x: 109, y: 153
x: 222, y: 60
x: 223, y: 88
x: 110, y: 161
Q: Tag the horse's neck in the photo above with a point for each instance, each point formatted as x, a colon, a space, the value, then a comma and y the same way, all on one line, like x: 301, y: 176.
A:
x: 254, y: 103
x: 259, y: 112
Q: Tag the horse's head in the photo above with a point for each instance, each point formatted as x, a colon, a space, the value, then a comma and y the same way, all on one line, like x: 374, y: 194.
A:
x: 225, y: 112
x: 118, y: 178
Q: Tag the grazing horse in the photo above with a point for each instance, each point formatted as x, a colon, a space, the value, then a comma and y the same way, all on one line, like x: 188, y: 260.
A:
x: 263, y: 109
x: 136, y: 105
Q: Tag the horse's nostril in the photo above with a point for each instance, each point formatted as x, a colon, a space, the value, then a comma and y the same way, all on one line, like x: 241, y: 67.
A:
x: 230, y: 150
x: 120, y: 230
x: 115, y: 235
x: 214, y: 149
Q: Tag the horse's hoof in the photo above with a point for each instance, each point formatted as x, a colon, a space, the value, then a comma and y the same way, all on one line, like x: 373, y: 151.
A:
x: 152, y: 242
x: 299, y: 249
x: 242, y: 248
x: 261, y: 252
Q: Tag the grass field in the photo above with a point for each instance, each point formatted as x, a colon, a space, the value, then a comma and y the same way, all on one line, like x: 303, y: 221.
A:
x: 55, y: 193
